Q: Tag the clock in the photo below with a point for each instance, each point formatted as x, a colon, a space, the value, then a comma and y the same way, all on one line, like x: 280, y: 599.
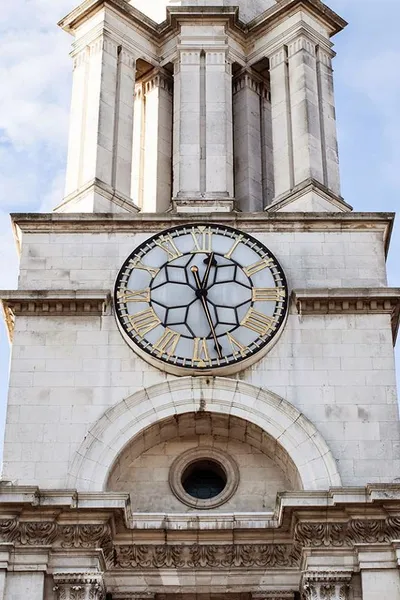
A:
x: 201, y: 299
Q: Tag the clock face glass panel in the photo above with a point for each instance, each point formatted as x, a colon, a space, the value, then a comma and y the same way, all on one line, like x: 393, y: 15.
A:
x: 200, y: 297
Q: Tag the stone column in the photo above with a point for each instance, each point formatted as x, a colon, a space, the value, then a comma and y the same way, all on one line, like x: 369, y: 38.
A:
x: 5, y: 550
x: 138, y: 146
x: 79, y: 586
x: 330, y: 153
x: 203, y: 136
x: 281, y: 122
x: 305, y: 112
x: 380, y: 574
x: 99, y: 164
x: 218, y: 126
x: 305, y: 153
x: 187, y: 147
x: 326, y: 585
x: 252, y: 142
x: 157, y: 143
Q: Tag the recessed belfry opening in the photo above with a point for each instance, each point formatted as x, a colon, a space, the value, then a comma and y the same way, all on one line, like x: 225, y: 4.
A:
x: 252, y: 135
x: 152, y: 137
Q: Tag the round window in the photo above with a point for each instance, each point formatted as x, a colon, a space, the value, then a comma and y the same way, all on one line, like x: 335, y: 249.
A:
x: 204, y: 478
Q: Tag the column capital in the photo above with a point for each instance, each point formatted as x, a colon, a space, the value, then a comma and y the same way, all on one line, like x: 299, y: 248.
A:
x: 250, y: 79
x: 326, y: 585
x: 158, y: 78
x: 301, y: 42
x: 277, y: 57
x: 79, y: 586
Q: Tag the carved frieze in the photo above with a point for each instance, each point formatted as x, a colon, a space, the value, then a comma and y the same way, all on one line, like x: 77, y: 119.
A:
x: 202, y: 556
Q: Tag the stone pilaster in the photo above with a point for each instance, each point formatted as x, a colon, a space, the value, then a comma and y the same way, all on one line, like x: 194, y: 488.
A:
x: 79, y: 586
x: 326, y: 585
x: 99, y: 164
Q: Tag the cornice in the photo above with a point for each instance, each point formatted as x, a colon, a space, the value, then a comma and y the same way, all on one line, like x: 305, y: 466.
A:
x: 58, y: 521
x: 146, y: 222
x: 44, y: 303
x: 283, y: 7
x: 177, y: 14
x: 350, y: 301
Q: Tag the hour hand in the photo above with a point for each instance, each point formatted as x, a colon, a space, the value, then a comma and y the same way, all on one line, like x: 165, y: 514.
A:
x: 210, y: 262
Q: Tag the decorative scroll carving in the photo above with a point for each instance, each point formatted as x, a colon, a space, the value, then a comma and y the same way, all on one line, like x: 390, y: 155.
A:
x: 79, y: 586
x: 347, y: 534
x: 49, y: 533
x: 330, y: 585
x: 202, y: 556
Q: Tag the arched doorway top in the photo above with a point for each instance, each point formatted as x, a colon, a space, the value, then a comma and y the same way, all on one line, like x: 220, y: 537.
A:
x: 278, y: 418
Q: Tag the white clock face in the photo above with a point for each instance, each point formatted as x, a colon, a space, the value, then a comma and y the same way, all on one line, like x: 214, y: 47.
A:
x: 201, y: 298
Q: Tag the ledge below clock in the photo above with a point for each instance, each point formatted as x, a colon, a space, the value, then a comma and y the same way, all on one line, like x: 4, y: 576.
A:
x: 98, y: 302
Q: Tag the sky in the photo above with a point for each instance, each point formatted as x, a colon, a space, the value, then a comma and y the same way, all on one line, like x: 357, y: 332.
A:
x: 35, y: 75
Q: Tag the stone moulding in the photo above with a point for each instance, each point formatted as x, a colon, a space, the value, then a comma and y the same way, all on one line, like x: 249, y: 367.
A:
x: 54, y: 303
x: 351, y: 302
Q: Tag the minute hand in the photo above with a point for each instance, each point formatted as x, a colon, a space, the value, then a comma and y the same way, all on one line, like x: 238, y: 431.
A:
x: 195, y: 272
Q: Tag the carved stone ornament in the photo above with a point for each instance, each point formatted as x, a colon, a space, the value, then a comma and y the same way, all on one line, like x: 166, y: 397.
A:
x: 339, y: 535
x: 199, y: 556
x: 42, y: 533
x: 330, y: 585
x: 79, y: 586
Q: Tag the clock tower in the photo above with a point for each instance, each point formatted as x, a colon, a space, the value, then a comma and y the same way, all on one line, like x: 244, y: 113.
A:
x: 202, y: 399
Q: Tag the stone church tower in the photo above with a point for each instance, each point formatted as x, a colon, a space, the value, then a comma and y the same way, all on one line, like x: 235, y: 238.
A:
x: 202, y: 400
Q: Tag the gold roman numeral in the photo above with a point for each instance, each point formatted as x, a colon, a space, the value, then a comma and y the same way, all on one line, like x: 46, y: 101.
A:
x: 201, y: 357
x: 228, y: 255
x: 133, y: 296
x: 167, y: 343
x: 166, y: 243
x: 143, y: 322
x: 136, y: 263
x: 237, y: 347
x: 202, y: 238
x: 258, y: 266
x: 258, y: 322
x: 277, y: 294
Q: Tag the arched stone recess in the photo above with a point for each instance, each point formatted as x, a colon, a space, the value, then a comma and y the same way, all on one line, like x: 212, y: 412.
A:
x: 108, y: 437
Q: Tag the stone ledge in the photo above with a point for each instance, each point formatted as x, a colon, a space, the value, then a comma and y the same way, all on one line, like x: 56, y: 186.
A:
x: 40, y: 303
x: 351, y: 301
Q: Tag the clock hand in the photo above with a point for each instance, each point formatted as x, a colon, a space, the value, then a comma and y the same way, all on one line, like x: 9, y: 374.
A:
x: 211, y: 262
x: 202, y: 295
